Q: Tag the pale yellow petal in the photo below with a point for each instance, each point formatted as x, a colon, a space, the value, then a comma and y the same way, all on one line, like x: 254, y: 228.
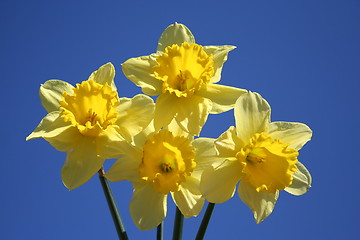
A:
x: 81, y: 164
x: 301, y: 181
x: 205, y: 155
x: 135, y: 114
x: 165, y: 110
x: 189, y: 199
x: 192, y: 113
x: 126, y: 167
x: 220, y: 54
x: 58, y: 133
x: 175, y: 34
x: 228, y: 143
x: 105, y: 74
x: 147, y: 207
x: 177, y: 130
x: 140, y: 138
x: 111, y: 143
x: 223, y: 97
x: 66, y: 140
x: 138, y: 70
x: 261, y: 203
x: 52, y: 123
x: 252, y: 115
x: 51, y: 93
x: 293, y: 133
x: 218, y: 183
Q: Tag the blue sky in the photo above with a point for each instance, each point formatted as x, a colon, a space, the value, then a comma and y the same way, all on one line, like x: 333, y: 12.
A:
x: 303, y: 57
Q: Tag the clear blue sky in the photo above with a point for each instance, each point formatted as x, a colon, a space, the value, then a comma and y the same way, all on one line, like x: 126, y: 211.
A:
x: 303, y: 57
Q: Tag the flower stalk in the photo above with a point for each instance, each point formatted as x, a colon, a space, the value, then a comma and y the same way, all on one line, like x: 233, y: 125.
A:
x: 204, y: 223
x: 160, y: 232
x: 178, y: 225
x: 112, y: 206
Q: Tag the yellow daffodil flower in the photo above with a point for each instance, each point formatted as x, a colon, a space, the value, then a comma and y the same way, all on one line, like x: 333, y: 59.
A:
x: 89, y: 122
x: 184, y: 75
x: 262, y: 155
x: 161, y: 163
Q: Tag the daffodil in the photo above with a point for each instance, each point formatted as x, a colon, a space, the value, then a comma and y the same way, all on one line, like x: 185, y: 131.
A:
x: 262, y: 155
x: 160, y: 163
x: 89, y: 122
x: 184, y: 75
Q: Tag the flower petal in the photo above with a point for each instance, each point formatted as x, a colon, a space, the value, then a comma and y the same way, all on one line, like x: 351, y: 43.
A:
x: 301, y: 181
x: 127, y: 167
x: 189, y: 199
x: 135, y: 114
x: 193, y: 113
x: 218, y: 183
x: 261, y: 203
x: 51, y: 93
x: 176, y: 130
x: 222, y: 97
x: 296, y: 134
x: 138, y: 70
x: 252, y: 115
x: 228, y: 143
x: 205, y: 155
x: 165, y: 110
x: 61, y: 135
x: 81, y: 164
x: 175, y: 34
x: 220, y: 54
x: 105, y: 74
x: 111, y: 143
x: 147, y: 207
x: 140, y: 139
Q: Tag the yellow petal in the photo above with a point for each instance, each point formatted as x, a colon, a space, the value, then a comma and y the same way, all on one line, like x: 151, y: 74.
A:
x: 138, y: 70
x: 105, y: 74
x: 220, y: 54
x: 81, y: 164
x: 223, y: 97
x: 135, y: 114
x: 147, y: 207
x: 141, y: 138
x: 176, y: 130
x: 228, y: 143
x: 193, y: 113
x: 218, y: 183
x: 261, y: 203
x: 252, y: 115
x: 189, y: 199
x: 293, y: 133
x: 175, y: 34
x: 110, y: 143
x: 58, y: 133
x: 165, y: 110
x: 51, y: 93
x: 205, y: 155
x: 126, y: 167
x: 301, y: 181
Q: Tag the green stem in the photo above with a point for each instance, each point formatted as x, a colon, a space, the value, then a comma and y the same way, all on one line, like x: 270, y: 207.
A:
x: 112, y: 206
x: 159, y: 233
x: 178, y: 225
x: 204, y: 223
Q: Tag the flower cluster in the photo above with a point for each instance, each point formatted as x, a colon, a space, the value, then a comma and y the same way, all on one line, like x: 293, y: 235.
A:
x: 155, y: 142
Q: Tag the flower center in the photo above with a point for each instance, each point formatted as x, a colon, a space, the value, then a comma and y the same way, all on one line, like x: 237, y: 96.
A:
x: 92, y: 107
x: 166, y: 161
x: 184, y: 69
x: 268, y: 164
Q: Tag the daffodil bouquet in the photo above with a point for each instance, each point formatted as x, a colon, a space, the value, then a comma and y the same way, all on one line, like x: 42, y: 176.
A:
x: 158, y: 145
